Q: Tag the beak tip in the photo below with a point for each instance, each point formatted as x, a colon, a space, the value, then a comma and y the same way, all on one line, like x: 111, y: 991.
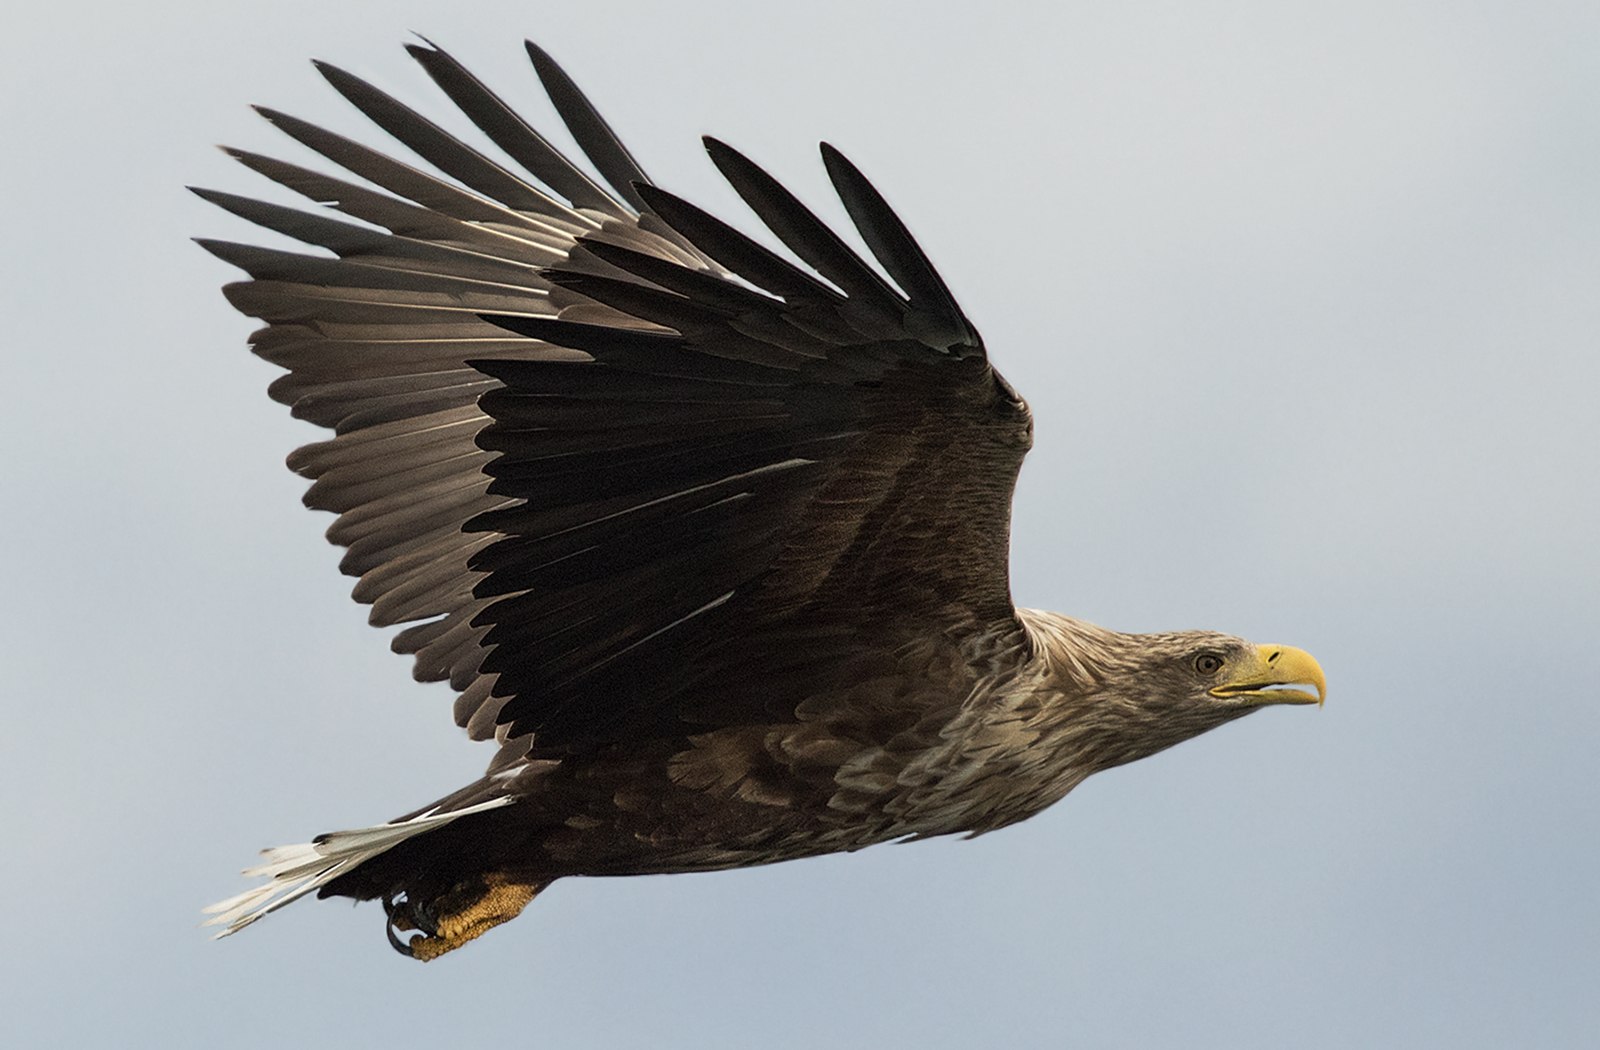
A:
x: 1291, y: 666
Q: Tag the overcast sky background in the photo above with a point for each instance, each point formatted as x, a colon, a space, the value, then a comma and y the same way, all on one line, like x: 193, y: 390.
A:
x: 1303, y: 296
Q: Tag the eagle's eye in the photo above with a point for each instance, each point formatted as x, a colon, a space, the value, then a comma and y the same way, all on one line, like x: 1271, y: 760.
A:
x: 1208, y: 664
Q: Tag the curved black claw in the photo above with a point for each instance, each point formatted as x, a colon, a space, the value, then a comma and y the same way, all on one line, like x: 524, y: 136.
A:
x: 398, y: 917
x: 396, y: 943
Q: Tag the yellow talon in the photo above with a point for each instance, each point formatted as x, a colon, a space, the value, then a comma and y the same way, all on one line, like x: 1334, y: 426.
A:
x: 501, y: 901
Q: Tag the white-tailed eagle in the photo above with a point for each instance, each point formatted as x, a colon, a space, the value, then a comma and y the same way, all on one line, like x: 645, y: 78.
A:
x: 712, y: 542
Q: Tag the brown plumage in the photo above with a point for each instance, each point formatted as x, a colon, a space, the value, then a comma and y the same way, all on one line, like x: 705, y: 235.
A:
x: 713, y: 545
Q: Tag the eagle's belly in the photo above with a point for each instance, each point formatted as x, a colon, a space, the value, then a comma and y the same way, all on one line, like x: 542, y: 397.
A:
x: 737, y: 797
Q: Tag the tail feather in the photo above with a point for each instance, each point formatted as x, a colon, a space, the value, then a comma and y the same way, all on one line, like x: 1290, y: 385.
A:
x: 294, y: 871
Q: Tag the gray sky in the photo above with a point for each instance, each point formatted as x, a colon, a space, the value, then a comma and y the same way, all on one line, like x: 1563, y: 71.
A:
x: 1303, y: 297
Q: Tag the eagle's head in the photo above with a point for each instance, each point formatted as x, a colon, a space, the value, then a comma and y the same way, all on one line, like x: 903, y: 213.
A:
x: 1127, y: 696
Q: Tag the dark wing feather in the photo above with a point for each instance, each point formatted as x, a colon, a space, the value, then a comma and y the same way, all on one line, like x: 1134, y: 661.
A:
x: 441, y: 149
x: 733, y: 249
x: 893, y: 246
x: 609, y: 484
x: 594, y: 136
x: 800, y: 230
x: 510, y: 132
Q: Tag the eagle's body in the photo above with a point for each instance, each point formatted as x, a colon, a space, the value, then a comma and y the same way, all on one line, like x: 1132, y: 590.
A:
x: 713, y: 546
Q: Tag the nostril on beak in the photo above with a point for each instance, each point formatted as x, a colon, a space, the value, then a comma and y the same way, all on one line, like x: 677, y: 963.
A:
x: 1275, y: 654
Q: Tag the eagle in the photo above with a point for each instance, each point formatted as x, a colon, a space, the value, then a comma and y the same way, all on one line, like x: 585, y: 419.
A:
x: 711, y: 541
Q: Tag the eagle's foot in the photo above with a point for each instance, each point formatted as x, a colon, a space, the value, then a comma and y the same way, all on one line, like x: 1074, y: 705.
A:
x: 467, y: 911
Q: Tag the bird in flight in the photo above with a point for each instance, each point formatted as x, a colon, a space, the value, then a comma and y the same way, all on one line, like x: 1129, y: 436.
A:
x: 712, y: 542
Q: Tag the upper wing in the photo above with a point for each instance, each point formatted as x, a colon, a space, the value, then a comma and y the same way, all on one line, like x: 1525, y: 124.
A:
x: 626, y: 467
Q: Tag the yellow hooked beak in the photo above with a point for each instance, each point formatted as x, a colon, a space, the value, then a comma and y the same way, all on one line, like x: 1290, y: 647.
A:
x: 1256, y: 679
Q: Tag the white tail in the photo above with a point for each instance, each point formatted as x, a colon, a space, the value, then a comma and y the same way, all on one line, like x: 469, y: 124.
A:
x: 294, y: 871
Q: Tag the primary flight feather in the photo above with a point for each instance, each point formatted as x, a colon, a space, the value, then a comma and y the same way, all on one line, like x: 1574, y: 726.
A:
x: 712, y: 544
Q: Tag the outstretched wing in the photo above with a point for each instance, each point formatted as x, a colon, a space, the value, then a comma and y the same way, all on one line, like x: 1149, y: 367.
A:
x: 619, y: 466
